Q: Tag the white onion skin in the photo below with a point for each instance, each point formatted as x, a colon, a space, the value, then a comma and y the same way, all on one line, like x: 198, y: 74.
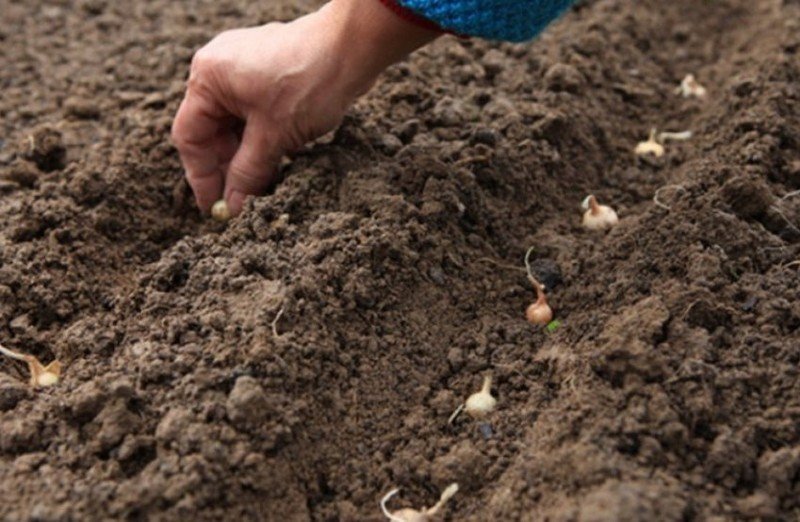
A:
x: 220, y: 211
x: 598, y: 217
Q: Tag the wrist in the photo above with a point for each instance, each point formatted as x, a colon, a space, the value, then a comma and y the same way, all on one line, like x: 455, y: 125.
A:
x: 369, y: 36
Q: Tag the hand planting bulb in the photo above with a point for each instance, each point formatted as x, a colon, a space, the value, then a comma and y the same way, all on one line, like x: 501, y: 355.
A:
x: 598, y: 217
x: 413, y: 515
x: 482, y: 403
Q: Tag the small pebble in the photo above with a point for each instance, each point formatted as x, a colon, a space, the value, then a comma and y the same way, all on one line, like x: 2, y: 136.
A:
x: 564, y: 77
x: 749, y: 304
x: 437, y: 275
x: 485, y: 136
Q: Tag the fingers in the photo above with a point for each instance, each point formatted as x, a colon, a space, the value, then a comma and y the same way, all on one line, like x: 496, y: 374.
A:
x: 253, y: 166
x: 200, y: 134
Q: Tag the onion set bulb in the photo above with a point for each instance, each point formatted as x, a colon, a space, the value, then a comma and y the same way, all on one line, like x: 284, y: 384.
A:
x: 482, y: 403
x: 413, y: 515
x: 651, y: 146
x: 220, y: 211
x: 41, y: 376
x: 690, y: 88
x: 598, y: 217
x: 538, y: 312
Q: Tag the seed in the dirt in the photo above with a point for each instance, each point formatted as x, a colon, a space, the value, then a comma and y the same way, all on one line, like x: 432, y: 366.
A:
x: 538, y: 312
x: 481, y: 404
x: 597, y: 216
x: 413, y: 515
x: 41, y: 376
x: 690, y: 88
x: 220, y: 211
x: 651, y: 146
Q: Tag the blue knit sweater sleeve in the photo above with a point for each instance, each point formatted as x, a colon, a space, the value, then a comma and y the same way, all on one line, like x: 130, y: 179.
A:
x: 512, y: 20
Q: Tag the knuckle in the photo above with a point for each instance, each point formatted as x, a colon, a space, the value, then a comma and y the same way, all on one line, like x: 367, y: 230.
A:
x: 176, y: 134
x: 248, y: 176
x: 178, y: 140
x: 206, y: 64
x: 245, y: 171
x: 209, y: 57
x: 202, y: 61
x: 182, y: 140
x: 205, y: 71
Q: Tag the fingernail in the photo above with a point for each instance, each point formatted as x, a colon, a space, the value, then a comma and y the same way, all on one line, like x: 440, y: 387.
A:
x: 236, y: 201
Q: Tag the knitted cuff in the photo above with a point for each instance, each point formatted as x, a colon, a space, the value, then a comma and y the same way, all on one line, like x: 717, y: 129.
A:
x: 410, y: 16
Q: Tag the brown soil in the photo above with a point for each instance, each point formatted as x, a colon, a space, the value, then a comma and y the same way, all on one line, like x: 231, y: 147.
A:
x: 670, y: 390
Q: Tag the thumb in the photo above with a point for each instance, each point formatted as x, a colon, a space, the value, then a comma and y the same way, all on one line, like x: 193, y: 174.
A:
x: 252, y: 168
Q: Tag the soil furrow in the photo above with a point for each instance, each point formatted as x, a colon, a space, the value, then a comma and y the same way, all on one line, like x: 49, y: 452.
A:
x: 303, y: 360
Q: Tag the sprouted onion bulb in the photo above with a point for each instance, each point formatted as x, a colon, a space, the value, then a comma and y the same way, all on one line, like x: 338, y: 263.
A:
x: 482, y: 403
x: 220, y: 211
x: 651, y: 146
x: 689, y: 87
x: 538, y: 312
x: 413, y: 515
x: 41, y: 376
x: 598, y: 217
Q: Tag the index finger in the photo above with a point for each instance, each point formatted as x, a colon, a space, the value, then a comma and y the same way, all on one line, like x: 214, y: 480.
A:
x: 197, y: 134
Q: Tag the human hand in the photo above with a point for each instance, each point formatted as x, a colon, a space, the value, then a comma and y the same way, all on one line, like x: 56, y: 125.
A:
x: 287, y: 84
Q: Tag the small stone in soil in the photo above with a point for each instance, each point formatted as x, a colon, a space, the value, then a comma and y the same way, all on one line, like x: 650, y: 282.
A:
x: 46, y: 149
x: 486, y: 430
x: 81, y: 108
x: 437, y: 275
x: 390, y: 144
x: 749, y: 304
x: 748, y: 197
x: 485, y: 136
x: 564, y: 77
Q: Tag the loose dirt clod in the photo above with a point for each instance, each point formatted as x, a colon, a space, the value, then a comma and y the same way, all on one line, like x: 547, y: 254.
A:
x: 412, y: 515
x: 651, y: 146
x: 598, y: 217
x: 690, y: 88
x: 41, y: 376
